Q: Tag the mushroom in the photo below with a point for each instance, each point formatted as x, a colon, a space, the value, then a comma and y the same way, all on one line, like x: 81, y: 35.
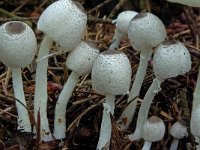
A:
x: 80, y: 61
x: 111, y: 75
x: 121, y: 30
x: 178, y: 131
x: 193, y: 3
x: 153, y: 130
x: 167, y: 54
x: 64, y: 22
x: 145, y: 32
x: 18, y: 47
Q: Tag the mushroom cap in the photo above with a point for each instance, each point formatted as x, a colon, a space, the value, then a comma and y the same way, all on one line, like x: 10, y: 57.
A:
x: 171, y: 59
x: 195, y: 121
x: 111, y: 73
x: 146, y: 31
x: 81, y: 59
x: 64, y: 21
x: 179, y: 130
x: 18, y: 44
x: 123, y: 20
x: 153, y: 129
x: 193, y: 3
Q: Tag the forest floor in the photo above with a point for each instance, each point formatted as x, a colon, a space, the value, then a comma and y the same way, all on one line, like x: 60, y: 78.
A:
x: 84, y: 111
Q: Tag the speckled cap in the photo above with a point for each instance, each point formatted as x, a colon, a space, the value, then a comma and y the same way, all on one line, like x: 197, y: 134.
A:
x: 81, y: 59
x: 146, y: 31
x: 64, y: 21
x: 171, y: 59
x: 123, y: 20
x: 153, y: 129
x: 111, y: 73
x: 179, y: 130
x: 17, y: 44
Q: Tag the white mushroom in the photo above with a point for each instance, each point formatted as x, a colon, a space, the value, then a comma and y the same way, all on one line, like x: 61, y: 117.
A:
x: 178, y: 131
x: 111, y: 75
x: 145, y: 32
x: 17, y: 49
x: 121, y: 29
x: 63, y: 22
x: 168, y: 54
x: 80, y: 61
x: 153, y: 130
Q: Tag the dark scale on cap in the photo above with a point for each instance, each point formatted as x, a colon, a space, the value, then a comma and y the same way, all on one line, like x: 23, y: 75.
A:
x: 92, y: 44
x: 169, y: 42
x: 140, y: 15
x: 110, y: 52
x: 81, y: 8
x: 15, y: 28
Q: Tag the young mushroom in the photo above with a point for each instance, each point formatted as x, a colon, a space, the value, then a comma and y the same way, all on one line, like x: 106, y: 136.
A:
x: 167, y: 54
x: 178, y: 131
x: 193, y: 3
x: 17, y: 49
x: 121, y: 27
x: 80, y: 61
x: 111, y: 75
x: 153, y: 130
x: 64, y: 22
x: 145, y: 32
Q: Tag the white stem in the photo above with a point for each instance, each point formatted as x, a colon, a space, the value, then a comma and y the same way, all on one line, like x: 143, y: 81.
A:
x: 147, y: 145
x: 195, y: 105
x: 144, y: 108
x: 106, y: 126
x: 196, y: 94
x: 60, y: 111
x: 116, y: 40
x: 40, y: 99
x: 23, y: 120
x: 174, y: 144
x: 129, y: 111
x: 198, y: 143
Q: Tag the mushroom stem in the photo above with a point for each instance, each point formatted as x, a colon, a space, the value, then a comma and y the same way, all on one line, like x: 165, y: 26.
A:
x: 129, y: 111
x: 144, y: 108
x: 174, y: 144
x: 60, y: 111
x: 116, y: 40
x: 197, y: 141
x: 196, y: 94
x: 147, y: 145
x: 40, y: 99
x: 23, y: 120
x: 106, y: 125
x: 195, y: 107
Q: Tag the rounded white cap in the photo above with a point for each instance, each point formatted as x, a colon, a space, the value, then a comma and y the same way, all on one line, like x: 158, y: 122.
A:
x: 153, y: 129
x: 193, y: 3
x: 179, y: 130
x: 111, y: 73
x: 64, y: 21
x: 171, y: 59
x: 146, y: 31
x: 81, y: 59
x: 17, y: 44
x: 123, y: 20
x: 195, y: 121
